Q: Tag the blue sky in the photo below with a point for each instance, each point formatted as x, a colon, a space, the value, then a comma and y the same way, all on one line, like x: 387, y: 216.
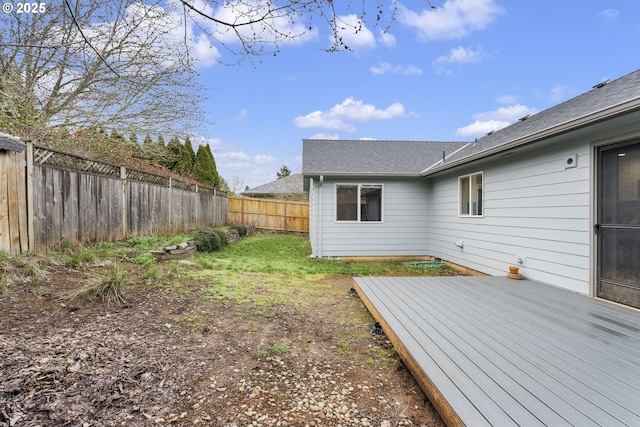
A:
x: 447, y: 74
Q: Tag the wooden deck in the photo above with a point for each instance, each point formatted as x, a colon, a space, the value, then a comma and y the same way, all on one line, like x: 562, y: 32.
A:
x: 491, y: 351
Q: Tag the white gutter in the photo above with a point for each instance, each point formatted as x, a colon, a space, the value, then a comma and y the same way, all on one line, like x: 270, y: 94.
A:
x: 589, y: 119
x: 441, y: 162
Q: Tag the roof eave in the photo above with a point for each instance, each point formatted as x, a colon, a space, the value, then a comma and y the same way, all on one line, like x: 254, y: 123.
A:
x: 568, y: 126
x: 364, y: 174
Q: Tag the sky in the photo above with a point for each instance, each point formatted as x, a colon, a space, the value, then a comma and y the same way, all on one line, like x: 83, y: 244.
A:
x: 450, y: 73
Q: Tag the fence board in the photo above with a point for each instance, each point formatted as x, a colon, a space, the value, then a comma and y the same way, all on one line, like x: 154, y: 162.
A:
x: 265, y: 214
x: 23, y: 213
x: 5, y: 241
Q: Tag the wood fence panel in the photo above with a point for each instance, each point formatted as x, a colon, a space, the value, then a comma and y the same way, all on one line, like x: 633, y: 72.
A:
x: 71, y: 206
x: 51, y: 216
x: 265, y: 214
x: 38, y: 216
x: 12, y: 184
x: 5, y: 239
x: 47, y: 197
x: 23, y: 212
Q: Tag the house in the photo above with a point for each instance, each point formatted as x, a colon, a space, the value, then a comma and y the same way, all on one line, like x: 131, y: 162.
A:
x: 285, y: 188
x: 556, y: 193
x: 10, y: 143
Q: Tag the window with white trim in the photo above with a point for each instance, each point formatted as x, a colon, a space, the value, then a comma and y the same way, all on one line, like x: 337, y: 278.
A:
x: 359, y: 202
x: 470, y: 195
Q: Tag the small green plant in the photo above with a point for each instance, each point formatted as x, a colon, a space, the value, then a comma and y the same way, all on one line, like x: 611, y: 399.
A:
x: 143, y: 242
x: 151, y: 271
x: 342, y: 347
x: 192, y: 321
x: 277, y: 348
x: 110, y: 287
x: 80, y: 257
x: 386, y: 355
x: 145, y: 259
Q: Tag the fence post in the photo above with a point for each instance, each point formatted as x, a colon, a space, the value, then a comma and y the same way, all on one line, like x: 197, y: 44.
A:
x: 31, y: 232
x: 197, y: 207
x: 285, y: 215
x: 170, y: 205
x: 123, y: 179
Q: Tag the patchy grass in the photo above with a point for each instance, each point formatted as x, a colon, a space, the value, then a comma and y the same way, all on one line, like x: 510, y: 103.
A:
x: 289, y: 255
x: 110, y: 287
x: 277, y: 268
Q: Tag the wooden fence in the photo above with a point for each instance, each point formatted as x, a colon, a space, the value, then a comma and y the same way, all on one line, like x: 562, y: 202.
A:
x: 74, y: 199
x: 13, y: 202
x: 266, y: 214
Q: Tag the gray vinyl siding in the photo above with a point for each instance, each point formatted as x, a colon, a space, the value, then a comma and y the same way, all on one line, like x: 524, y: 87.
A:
x: 533, y: 207
x: 403, y: 231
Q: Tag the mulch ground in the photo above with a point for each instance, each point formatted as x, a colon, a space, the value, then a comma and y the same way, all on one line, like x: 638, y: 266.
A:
x: 174, y: 358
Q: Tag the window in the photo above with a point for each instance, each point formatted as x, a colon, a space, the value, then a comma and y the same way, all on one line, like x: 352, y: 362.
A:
x: 358, y: 202
x: 470, y: 190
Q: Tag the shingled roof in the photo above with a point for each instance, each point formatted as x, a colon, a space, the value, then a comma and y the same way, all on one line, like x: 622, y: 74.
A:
x: 10, y: 143
x: 287, y: 185
x: 372, y: 157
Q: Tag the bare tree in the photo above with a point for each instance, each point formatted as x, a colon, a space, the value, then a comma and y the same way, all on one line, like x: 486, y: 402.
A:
x: 130, y: 65
x: 250, y: 28
x: 113, y: 63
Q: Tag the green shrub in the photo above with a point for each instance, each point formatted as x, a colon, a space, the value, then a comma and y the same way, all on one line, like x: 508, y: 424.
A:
x: 241, y: 229
x: 224, y: 241
x: 210, y: 240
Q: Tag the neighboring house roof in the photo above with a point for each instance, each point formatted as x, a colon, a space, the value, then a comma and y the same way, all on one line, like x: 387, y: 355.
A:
x: 372, y: 157
x: 291, y: 184
x: 605, y: 100
x: 10, y: 143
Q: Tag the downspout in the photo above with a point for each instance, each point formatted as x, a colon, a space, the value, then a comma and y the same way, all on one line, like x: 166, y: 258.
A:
x: 320, y: 219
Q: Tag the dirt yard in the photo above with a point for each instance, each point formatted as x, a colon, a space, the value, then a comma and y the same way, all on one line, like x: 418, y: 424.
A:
x: 169, y: 357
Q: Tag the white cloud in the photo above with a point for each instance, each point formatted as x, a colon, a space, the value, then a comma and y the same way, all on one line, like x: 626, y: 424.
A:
x: 609, y: 14
x: 494, y: 120
x: 507, y: 99
x: 325, y: 136
x: 254, y: 169
x: 201, y: 49
x: 351, y: 110
x: 479, y: 128
x: 354, y: 33
x: 242, y: 116
x: 386, y: 68
x: 387, y: 39
x: 262, y: 159
x: 461, y: 55
x: 454, y: 20
x: 270, y: 27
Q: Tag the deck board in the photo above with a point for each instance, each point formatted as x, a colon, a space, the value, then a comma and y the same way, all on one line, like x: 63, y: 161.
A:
x: 492, y: 351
